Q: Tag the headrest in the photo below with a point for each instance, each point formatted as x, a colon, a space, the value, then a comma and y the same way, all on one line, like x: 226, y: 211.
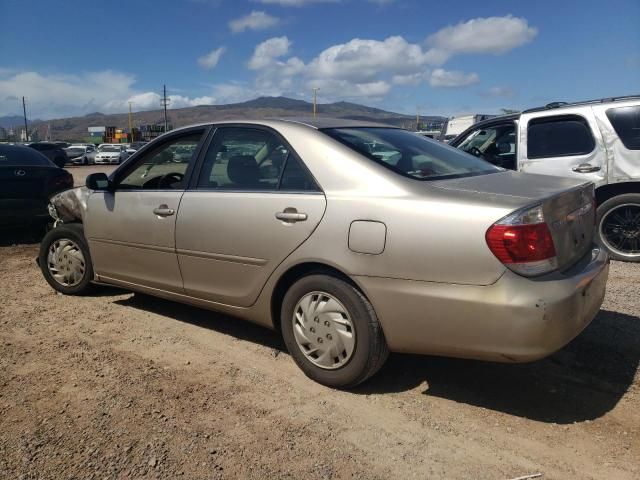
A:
x: 243, y: 171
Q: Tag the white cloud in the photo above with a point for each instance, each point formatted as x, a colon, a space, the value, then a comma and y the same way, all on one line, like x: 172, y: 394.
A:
x: 266, y: 53
x: 53, y: 95
x: 333, y: 89
x: 211, y: 59
x: 364, y: 60
x: 441, y: 78
x: 498, y: 91
x: 411, y: 79
x: 57, y: 96
x: 256, y: 20
x: 295, y: 3
x: 491, y: 35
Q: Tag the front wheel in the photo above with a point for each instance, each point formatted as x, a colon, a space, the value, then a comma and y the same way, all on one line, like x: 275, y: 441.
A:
x: 619, y: 227
x: 332, y: 332
x: 65, y: 260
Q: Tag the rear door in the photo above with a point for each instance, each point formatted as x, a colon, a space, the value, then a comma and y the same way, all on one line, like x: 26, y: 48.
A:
x: 620, y: 126
x: 131, y: 230
x: 564, y: 143
x: 253, y: 203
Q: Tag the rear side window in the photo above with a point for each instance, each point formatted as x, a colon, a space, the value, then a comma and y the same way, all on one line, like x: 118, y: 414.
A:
x: 559, y: 136
x: 15, y: 156
x: 242, y: 158
x: 626, y: 123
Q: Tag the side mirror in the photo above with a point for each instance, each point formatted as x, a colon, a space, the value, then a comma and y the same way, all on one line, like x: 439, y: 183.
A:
x: 98, y: 181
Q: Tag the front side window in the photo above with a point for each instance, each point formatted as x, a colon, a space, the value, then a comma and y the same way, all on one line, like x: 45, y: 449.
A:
x: 164, y: 167
x: 626, y: 123
x: 241, y: 158
x: 496, y: 144
x: 559, y: 136
x: 410, y: 154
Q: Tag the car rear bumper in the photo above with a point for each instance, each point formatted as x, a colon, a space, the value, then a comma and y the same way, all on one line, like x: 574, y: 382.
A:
x: 23, y: 211
x: 516, y: 319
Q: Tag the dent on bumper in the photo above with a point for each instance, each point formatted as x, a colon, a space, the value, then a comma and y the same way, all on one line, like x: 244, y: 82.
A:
x: 516, y: 319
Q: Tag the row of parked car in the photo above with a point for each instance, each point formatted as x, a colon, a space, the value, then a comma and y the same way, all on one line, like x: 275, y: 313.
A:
x: 62, y: 153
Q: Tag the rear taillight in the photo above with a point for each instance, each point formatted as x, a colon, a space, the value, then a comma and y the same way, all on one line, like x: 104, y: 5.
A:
x: 61, y: 182
x: 522, y: 241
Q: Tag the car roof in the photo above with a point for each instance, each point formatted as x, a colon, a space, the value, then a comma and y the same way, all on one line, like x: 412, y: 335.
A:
x: 493, y: 121
x: 315, y: 123
x: 561, y: 105
x: 330, y: 122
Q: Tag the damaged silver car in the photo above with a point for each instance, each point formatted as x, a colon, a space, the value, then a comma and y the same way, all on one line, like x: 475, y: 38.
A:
x: 352, y: 239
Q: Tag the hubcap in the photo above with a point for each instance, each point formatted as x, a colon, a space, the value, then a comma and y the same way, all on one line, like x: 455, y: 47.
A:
x: 66, y: 262
x: 323, y: 330
x: 620, y: 229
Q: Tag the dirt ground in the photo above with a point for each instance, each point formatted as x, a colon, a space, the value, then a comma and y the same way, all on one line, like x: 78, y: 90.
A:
x: 121, y: 385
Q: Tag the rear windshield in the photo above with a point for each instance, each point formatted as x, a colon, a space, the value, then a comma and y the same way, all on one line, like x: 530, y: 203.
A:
x: 74, y: 151
x: 22, y: 157
x: 410, y: 154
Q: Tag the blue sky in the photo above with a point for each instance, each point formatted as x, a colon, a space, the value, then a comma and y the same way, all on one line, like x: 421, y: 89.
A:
x: 74, y: 57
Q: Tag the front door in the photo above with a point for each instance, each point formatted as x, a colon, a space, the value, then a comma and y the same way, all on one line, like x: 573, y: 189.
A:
x: 495, y: 143
x: 253, y: 204
x: 131, y: 230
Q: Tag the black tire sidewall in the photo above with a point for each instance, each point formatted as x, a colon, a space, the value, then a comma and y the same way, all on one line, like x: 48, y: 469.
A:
x: 603, y: 209
x: 358, y: 367
x: 73, y: 232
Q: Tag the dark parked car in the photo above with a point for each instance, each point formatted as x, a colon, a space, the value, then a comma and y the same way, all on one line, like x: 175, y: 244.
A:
x: 27, y: 180
x: 52, y: 151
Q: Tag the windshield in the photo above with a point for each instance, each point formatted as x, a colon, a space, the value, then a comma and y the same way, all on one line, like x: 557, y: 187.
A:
x: 411, y: 154
x: 110, y: 148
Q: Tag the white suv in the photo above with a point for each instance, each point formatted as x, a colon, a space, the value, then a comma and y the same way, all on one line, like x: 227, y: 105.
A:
x: 597, y: 140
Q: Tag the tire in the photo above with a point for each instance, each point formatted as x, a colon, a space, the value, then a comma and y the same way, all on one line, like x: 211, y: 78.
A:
x: 360, y: 358
x: 619, y: 227
x: 70, y: 242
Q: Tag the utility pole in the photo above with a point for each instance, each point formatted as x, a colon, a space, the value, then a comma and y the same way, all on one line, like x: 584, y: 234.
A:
x: 26, y: 129
x: 164, y: 102
x: 315, y: 101
x: 417, y: 119
x: 131, y: 124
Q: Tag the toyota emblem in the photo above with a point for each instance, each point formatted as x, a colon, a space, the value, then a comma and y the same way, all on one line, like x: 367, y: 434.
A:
x: 20, y: 173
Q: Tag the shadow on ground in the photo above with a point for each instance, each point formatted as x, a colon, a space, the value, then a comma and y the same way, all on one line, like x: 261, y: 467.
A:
x: 581, y: 382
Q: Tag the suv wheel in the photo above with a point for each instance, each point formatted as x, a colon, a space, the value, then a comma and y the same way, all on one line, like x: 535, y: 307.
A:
x: 65, y: 260
x: 619, y: 227
x: 332, y: 331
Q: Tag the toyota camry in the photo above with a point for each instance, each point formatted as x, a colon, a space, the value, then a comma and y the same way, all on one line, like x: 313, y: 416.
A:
x: 352, y: 239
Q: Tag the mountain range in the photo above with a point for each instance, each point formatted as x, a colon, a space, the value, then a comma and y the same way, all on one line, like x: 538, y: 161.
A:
x: 75, y: 128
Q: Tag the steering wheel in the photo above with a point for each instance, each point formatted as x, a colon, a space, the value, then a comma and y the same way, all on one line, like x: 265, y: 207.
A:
x: 169, y: 179
x: 475, y: 151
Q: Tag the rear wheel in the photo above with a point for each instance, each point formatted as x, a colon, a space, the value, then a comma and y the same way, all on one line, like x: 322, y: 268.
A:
x: 619, y: 227
x: 332, y: 331
x: 65, y: 260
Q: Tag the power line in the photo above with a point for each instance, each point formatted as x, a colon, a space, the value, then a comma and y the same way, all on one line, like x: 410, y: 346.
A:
x: 164, y: 102
x: 26, y: 129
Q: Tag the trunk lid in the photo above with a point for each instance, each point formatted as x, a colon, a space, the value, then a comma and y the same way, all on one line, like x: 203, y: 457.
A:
x: 568, y: 205
x: 26, y: 182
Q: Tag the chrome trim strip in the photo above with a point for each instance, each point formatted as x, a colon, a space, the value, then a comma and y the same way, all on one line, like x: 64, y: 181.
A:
x: 157, y: 248
x: 258, y: 262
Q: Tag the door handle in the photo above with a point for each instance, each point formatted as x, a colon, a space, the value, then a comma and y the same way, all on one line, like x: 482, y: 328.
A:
x: 291, y: 215
x: 585, y: 168
x: 163, y: 211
